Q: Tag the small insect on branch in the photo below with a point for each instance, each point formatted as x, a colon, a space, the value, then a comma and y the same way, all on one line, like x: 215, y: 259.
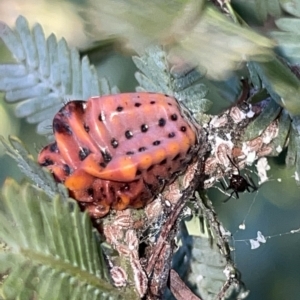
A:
x: 238, y: 183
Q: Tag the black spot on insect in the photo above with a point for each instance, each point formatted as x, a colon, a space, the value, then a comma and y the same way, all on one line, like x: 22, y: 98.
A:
x: 138, y: 172
x: 174, y: 117
x: 144, y: 128
x: 67, y: 169
x: 170, y: 104
x: 129, y: 153
x: 169, y: 169
x: 102, y: 164
x: 171, y: 134
x: 53, y: 147
x: 47, y: 162
x: 114, y: 143
x: 67, y: 110
x: 176, y: 157
x: 128, y: 134
x: 150, y: 168
x: 152, y: 102
x: 112, y: 190
x: 142, y: 149
x: 101, y: 117
x: 106, y: 156
x: 161, y: 122
x: 61, y: 127
x: 90, y: 191
x: 183, y: 128
x: 163, y: 162
x: 86, y: 127
x: 137, y: 104
x: 156, y: 143
x: 119, y: 108
x: 83, y: 153
x: 149, y: 186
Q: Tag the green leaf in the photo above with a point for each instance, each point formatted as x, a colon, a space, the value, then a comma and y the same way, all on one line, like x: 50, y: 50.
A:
x: 281, y: 84
x: 288, y: 24
x: 206, y: 259
x: 288, y: 45
x: 291, y: 156
x: 261, y: 9
x: 257, y: 11
x: 296, y: 142
x: 46, y: 74
x: 255, y: 128
x: 284, y: 127
x: 53, y: 253
x: 273, y: 7
x: 41, y: 177
x: 185, y: 86
x: 288, y: 39
x: 191, y: 29
x: 291, y: 6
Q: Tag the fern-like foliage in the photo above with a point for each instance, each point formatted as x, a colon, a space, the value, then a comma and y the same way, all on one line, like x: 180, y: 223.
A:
x: 41, y: 177
x: 47, y: 73
x: 57, y: 256
x: 288, y: 38
x: 157, y: 77
x: 284, y: 88
x: 200, y: 248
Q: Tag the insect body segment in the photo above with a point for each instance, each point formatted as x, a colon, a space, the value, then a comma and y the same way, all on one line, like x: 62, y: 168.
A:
x: 120, y: 150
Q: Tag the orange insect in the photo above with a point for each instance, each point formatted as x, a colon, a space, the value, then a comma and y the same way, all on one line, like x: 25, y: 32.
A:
x: 119, y: 151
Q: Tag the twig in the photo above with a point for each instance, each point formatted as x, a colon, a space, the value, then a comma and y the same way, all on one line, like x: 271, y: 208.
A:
x: 179, y: 288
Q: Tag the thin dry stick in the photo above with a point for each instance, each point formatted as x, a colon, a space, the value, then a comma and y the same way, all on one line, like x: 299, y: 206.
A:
x: 179, y: 288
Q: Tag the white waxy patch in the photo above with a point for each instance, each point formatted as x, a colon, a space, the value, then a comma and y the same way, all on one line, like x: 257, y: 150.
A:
x: 168, y: 204
x: 250, y: 114
x: 228, y: 135
x: 250, y: 152
x: 279, y: 149
x: 210, y: 180
x: 262, y: 167
x: 251, y: 158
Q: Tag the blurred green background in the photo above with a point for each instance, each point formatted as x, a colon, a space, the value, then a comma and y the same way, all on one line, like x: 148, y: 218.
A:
x: 271, y: 272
